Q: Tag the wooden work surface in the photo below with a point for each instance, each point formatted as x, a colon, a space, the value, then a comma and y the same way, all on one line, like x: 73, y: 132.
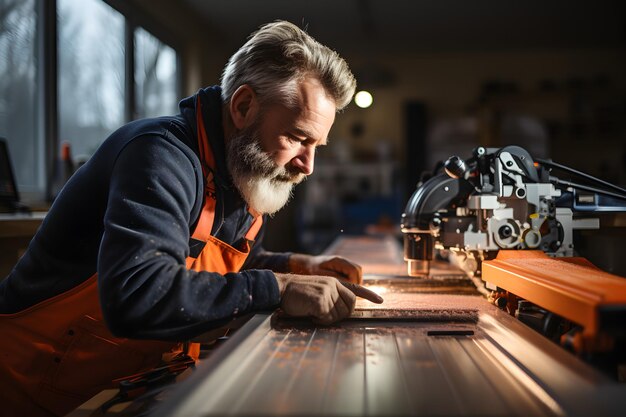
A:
x: 445, y: 291
x: 382, y: 256
x: 20, y: 225
x: 16, y: 231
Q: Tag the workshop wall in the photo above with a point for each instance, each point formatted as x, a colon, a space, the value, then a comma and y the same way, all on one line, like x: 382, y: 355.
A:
x: 451, y: 85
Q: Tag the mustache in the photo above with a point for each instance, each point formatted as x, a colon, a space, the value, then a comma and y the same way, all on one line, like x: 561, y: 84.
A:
x: 247, y: 156
x: 289, y: 175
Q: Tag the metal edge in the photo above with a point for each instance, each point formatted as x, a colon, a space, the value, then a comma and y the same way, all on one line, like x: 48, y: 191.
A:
x: 181, y: 401
x: 555, y: 369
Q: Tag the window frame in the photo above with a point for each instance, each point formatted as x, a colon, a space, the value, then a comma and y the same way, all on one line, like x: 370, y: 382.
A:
x: 47, y: 73
x: 134, y: 19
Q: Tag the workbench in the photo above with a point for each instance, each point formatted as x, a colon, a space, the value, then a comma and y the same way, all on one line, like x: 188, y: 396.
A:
x: 434, y: 347
x: 16, y: 231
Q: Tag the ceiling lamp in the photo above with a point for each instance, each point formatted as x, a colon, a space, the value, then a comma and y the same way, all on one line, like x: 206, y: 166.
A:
x: 363, y: 99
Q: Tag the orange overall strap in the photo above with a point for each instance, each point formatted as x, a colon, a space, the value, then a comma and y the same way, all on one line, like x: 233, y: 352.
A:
x: 254, y: 228
x: 207, y: 160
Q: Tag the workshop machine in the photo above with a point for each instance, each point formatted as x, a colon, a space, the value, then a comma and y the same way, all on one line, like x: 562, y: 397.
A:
x: 505, y: 218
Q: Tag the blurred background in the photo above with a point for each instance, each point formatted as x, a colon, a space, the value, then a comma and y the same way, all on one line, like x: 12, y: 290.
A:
x: 444, y: 77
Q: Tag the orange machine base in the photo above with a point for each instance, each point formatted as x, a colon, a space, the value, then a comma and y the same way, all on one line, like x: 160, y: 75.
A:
x: 573, y: 288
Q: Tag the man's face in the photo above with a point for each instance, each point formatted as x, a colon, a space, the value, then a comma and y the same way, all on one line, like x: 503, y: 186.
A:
x: 276, y: 151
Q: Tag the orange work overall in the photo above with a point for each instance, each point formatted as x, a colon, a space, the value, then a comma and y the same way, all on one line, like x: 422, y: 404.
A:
x: 57, y: 354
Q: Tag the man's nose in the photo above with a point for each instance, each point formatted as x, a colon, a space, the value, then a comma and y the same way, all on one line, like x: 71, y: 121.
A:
x: 304, y: 161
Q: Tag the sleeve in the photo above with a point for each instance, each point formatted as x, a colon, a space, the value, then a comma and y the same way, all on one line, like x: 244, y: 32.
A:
x: 146, y: 291
x: 260, y: 258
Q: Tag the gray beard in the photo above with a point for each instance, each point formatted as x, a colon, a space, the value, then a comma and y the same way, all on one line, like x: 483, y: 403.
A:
x: 264, y: 186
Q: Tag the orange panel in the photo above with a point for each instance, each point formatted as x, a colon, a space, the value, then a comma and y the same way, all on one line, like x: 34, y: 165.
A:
x: 570, y: 287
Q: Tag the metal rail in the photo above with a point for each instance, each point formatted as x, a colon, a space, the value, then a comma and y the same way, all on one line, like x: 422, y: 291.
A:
x: 421, y: 353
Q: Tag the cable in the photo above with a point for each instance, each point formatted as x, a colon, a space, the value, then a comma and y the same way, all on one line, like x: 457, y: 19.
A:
x: 580, y: 173
x: 557, y: 181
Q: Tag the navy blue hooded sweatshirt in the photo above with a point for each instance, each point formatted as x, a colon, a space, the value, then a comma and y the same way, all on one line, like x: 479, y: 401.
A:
x: 128, y: 214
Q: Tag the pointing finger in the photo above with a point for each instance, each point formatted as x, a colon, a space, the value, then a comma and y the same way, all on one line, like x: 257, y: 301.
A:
x: 363, y: 292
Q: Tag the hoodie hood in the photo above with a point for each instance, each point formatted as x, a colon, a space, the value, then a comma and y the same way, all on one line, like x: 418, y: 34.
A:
x: 211, y: 99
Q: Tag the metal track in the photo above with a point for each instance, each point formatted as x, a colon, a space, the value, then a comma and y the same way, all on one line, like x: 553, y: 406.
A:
x: 494, y: 366
x: 433, y: 348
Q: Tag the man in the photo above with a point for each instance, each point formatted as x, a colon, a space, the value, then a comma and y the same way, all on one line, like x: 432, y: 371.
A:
x: 156, y: 239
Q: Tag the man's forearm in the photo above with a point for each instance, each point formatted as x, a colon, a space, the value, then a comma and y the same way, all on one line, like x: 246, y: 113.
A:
x: 275, y: 261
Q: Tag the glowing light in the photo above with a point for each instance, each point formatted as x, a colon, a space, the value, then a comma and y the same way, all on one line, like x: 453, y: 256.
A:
x: 378, y: 289
x: 363, y: 99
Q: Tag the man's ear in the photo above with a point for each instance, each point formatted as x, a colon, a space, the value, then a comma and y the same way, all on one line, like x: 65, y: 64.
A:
x: 243, y: 106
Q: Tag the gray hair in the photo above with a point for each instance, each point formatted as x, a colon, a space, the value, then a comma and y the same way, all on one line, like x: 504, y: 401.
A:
x: 277, y: 57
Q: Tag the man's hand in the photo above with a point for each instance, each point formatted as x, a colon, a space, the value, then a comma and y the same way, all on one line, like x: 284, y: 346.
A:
x: 323, y: 298
x: 334, y: 266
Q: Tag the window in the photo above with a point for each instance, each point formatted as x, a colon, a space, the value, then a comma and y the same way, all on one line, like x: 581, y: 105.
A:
x: 19, y: 92
x: 155, y: 76
x: 76, y: 70
x: 91, y: 73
